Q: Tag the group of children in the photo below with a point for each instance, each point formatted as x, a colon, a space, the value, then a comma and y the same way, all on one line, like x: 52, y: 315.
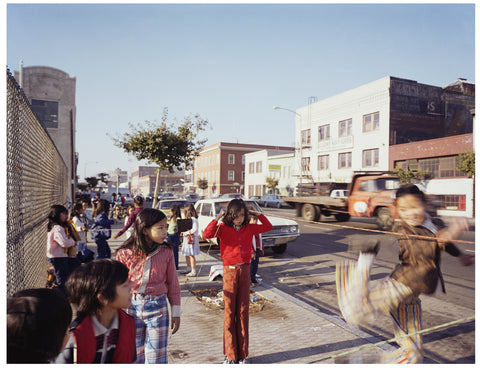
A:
x: 122, y: 311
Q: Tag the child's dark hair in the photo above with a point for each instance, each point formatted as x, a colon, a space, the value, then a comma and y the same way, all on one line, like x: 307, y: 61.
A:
x: 138, y: 200
x: 410, y: 189
x: 175, y: 210
x: 190, y: 211
x: 54, y: 216
x: 102, y: 206
x: 37, y: 321
x: 234, y: 207
x: 98, y: 277
x: 76, y: 209
x: 145, y: 219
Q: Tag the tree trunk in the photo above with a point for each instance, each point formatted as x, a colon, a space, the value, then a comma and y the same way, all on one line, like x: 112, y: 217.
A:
x: 156, y: 189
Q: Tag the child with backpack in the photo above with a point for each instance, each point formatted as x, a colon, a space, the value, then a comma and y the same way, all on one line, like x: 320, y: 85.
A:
x: 101, y: 229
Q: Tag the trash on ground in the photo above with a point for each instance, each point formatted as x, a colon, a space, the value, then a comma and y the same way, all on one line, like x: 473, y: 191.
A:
x: 213, y: 298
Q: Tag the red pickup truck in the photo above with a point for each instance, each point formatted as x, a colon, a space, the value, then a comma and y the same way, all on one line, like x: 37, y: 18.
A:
x: 370, y: 194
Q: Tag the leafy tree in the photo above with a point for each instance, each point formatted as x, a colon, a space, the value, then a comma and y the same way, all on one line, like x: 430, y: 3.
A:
x: 406, y: 175
x: 92, y: 181
x: 272, y: 184
x: 82, y: 186
x: 104, y: 178
x: 163, y: 144
x: 202, y: 183
x: 466, y: 163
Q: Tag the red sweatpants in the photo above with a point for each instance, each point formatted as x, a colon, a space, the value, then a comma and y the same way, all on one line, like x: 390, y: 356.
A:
x: 236, y: 296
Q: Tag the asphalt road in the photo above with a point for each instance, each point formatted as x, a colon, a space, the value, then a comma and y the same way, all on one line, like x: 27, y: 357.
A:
x: 307, y: 271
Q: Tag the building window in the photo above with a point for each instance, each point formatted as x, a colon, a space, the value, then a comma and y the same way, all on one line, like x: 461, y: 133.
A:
x: 323, y: 162
x: 371, y: 122
x: 345, y: 128
x: 243, y: 159
x: 324, y: 132
x: 231, y: 159
x: 305, y: 164
x: 345, y: 160
x: 243, y: 176
x: 251, y: 167
x: 370, y: 158
x: 259, y: 166
x: 306, y: 137
x: 46, y: 112
x: 231, y: 175
x: 453, y: 202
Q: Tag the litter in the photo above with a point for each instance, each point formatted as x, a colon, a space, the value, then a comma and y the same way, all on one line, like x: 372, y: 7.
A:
x: 215, y: 270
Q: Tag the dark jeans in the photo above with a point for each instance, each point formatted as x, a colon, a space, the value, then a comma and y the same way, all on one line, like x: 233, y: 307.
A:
x: 174, y: 240
x: 254, y: 266
x: 63, y: 267
x: 103, y: 249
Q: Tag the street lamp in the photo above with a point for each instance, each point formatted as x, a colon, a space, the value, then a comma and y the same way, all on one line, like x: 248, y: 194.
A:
x: 301, y: 154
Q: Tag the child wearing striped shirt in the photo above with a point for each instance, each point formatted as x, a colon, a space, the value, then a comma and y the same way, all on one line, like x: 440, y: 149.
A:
x: 153, y: 279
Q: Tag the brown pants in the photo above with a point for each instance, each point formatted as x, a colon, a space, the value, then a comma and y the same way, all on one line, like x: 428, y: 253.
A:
x: 236, y: 296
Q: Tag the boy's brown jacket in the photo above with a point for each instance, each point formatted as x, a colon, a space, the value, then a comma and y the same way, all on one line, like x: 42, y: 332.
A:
x: 420, y: 258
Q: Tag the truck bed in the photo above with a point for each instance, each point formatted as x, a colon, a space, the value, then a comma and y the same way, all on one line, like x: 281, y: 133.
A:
x: 318, y: 200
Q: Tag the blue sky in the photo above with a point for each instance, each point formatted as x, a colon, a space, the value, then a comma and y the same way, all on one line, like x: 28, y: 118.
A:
x: 229, y: 63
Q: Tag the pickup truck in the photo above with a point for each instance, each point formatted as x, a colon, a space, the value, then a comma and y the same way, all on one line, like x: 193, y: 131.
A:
x: 370, y: 194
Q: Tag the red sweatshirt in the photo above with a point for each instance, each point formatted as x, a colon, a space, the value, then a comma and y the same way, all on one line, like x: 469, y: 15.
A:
x: 236, y: 245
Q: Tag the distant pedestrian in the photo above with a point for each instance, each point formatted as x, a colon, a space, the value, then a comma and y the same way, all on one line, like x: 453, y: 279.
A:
x: 77, y: 216
x: 95, y: 200
x: 58, y: 243
x: 138, y: 206
x: 153, y: 280
x: 101, y: 229
x: 236, y: 234
x: 191, y: 244
x: 37, y: 325
x: 86, y: 212
x: 257, y: 252
x: 102, y: 332
x: 173, y: 236
x: 418, y: 273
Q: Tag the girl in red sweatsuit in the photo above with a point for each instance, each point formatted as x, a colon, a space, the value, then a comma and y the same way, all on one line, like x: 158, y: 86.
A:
x: 236, y: 234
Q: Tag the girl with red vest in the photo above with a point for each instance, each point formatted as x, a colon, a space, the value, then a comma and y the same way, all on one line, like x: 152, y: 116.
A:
x: 236, y: 234
x: 102, y: 331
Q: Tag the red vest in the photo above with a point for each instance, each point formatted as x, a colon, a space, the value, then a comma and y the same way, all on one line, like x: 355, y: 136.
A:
x: 85, y: 340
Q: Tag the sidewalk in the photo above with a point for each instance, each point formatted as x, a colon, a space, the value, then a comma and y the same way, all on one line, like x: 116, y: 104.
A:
x: 287, y: 330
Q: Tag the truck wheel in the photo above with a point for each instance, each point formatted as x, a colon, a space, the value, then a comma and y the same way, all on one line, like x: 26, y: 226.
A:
x: 310, y: 212
x: 279, y: 249
x: 341, y: 217
x: 384, y: 219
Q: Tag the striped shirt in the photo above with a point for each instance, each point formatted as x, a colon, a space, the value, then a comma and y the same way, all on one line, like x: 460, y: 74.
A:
x: 153, y: 275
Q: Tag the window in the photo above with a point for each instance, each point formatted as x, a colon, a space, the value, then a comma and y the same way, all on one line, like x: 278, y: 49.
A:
x: 306, y: 137
x: 345, y: 128
x: 429, y: 165
x: 324, y: 133
x: 206, y: 209
x: 46, y: 112
x: 259, y: 166
x: 231, y: 159
x: 323, y: 162
x: 370, y: 158
x: 231, y: 175
x: 345, y: 160
x: 453, y: 202
x: 371, y: 122
x: 305, y: 164
x: 251, y: 167
x: 243, y: 176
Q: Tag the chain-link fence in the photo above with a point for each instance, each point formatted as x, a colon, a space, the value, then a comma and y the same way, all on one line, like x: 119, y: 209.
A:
x: 37, y: 178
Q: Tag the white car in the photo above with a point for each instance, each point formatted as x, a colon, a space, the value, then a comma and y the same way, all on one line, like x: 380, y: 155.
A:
x: 284, y: 230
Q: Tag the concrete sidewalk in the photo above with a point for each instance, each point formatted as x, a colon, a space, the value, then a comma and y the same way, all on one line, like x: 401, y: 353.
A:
x: 287, y: 330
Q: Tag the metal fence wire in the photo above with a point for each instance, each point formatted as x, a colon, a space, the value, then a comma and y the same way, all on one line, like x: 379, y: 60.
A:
x: 37, y: 178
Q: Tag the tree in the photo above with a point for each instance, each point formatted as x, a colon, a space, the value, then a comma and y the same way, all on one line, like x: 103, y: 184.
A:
x: 92, y: 181
x: 202, y: 184
x: 104, y: 178
x: 163, y: 144
x: 82, y: 186
x: 272, y: 183
x: 466, y: 163
x: 406, y: 175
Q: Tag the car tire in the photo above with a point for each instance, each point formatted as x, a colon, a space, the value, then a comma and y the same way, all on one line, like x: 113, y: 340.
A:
x: 279, y: 205
x: 279, y: 249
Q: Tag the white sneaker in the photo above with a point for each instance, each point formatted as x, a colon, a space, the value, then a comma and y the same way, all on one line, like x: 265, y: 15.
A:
x: 191, y: 274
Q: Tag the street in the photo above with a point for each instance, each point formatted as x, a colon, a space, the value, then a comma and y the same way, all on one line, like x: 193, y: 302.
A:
x: 307, y: 271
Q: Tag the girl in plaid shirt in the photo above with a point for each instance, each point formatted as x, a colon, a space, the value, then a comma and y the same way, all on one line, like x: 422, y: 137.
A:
x: 153, y: 279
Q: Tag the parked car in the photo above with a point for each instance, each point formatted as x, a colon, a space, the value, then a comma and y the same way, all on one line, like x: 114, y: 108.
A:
x: 232, y: 195
x: 255, y: 198
x: 271, y: 200
x: 191, y: 197
x: 166, y: 204
x: 284, y: 230
x: 149, y: 197
x: 165, y: 195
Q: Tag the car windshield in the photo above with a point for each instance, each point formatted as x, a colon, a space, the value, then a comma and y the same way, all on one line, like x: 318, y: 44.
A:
x: 388, y: 184
x: 224, y: 205
x: 169, y: 204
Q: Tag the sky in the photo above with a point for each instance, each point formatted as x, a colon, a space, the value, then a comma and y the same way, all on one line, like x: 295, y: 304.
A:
x: 229, y: 63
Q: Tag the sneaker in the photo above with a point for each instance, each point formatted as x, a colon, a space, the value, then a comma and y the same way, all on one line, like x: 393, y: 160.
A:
x: 228, y: 361
x: 191, y: 274
x: 185, y: 271
x: 241, y: 361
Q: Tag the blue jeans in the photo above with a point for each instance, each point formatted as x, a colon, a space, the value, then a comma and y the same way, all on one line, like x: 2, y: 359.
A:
x: 254, y: 266
x: 63, y: 267
x: 103, y: 250
x: 174, y: 240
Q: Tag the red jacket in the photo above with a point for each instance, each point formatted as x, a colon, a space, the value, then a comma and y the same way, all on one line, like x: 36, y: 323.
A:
x: 86, y: 345
x: 236, y: 246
